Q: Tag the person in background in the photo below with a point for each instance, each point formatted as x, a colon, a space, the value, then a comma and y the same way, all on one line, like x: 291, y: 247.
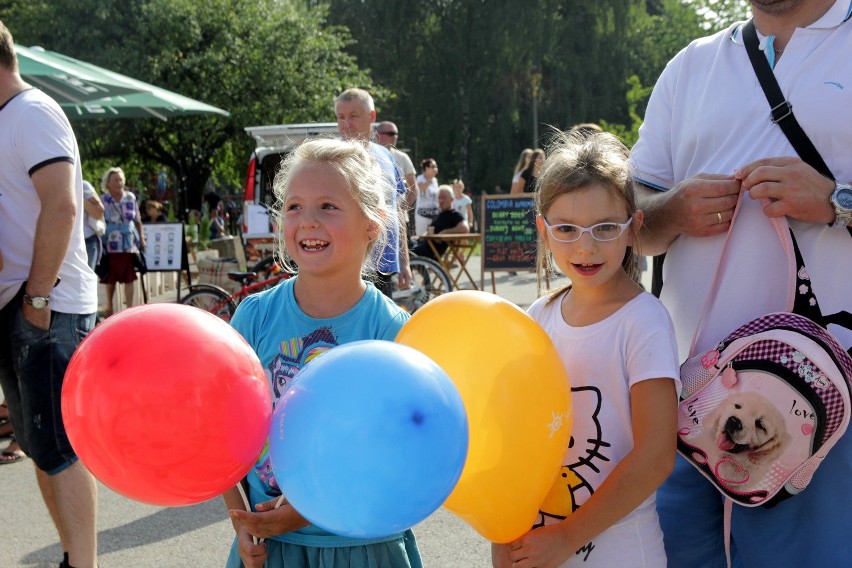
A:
x: 123, y: 238
x: 217, y: 221
x: 529, y: 175
x: 48, y: 297
x: 426, y: 205
x: 387, y: 135
x: 448, y: 222
x: 356, y: 113
x: 618, y: 347
x: 462, y: 202
x: 93, y: 209
x: 707, y: 138
x: 521, y: 165
x: 156, y: 211
x: 332, y: 218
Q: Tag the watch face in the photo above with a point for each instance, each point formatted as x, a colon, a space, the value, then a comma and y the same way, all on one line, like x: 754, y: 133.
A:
x: 38, y: 302
x: 843, y: 197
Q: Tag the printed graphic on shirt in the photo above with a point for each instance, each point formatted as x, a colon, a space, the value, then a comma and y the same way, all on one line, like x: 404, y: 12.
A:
x: 587, y: 452
x: 293, y: 355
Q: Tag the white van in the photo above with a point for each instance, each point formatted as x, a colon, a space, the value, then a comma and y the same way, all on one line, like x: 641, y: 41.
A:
x: 272, y: 144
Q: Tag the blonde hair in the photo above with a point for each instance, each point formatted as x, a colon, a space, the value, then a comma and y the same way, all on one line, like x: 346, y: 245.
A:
x: 368, y: 186
x: 576, y: 160
x: 109, y: 172
x: 523, y: 160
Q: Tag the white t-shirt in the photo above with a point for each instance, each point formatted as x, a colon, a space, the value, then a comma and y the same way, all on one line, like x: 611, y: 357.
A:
x: 708, y: 114
x: 35, y: 132
x: 403, y: 162
x: 426, y: 206
x: 604, y: 360
x: 460, y: 204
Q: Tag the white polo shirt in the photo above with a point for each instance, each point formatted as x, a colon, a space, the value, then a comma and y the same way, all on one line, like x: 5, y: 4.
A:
x: 708, y: 114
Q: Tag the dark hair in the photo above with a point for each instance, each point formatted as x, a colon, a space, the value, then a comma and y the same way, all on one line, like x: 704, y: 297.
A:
x: 427, y: 163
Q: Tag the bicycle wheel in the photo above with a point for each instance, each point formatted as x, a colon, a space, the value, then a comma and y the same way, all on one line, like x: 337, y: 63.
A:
x: 211, y: 299
x: 428, y: 280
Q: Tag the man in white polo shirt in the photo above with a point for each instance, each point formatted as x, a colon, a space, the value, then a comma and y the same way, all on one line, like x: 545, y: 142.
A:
x: 48, y: 295
x: 706, y: 139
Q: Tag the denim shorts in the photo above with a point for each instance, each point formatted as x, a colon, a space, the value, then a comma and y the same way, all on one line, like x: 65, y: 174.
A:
x: 32, y: 368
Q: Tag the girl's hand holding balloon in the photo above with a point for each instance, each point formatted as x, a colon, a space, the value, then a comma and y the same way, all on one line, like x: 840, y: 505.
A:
x: 270, y: 519
x: 545, y: 547
x: 253, y: 555
x: 500, y: 555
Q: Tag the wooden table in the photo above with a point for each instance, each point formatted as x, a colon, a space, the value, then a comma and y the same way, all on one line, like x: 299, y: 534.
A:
x: 460, y: 247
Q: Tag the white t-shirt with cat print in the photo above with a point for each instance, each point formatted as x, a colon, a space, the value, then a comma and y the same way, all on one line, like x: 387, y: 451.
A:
x: 604, y: 360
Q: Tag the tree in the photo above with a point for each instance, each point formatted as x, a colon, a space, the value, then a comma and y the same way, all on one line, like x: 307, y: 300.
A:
x: 265, y: 61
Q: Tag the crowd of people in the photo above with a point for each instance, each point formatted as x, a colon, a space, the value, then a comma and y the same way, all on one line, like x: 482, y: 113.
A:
x: 342, y: 216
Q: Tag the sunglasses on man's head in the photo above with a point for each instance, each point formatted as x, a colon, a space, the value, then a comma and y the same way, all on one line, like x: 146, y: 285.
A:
x: 390, y: 133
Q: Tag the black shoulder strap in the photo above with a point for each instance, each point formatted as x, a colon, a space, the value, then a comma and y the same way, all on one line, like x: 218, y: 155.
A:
x: 781, y: 112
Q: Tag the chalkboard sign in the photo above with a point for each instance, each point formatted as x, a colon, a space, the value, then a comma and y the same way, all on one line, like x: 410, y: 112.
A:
x: 508, y: 232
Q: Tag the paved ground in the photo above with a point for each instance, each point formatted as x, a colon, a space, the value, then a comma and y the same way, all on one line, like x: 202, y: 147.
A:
x: 134, y: 534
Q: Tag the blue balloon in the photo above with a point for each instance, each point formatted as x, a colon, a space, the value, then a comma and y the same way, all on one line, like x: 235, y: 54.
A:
x: 370, y: 440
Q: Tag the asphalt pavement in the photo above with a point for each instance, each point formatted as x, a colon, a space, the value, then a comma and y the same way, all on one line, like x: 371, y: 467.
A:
x: 140, y: 535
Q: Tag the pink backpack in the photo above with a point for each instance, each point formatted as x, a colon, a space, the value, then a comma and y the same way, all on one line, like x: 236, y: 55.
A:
x: 761, y: 409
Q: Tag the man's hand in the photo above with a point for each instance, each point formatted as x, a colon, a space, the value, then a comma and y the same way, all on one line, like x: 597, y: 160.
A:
x: 39, y: 318
x: 404, y: 276
x: 790, y: 187
x: 701, y: 206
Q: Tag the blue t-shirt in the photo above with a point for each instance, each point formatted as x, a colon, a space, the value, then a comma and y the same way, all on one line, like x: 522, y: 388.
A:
x: 389, y: 261
x: 286, y: 339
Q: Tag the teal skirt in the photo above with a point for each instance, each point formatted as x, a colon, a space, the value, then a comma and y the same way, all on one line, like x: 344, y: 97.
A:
x: 399, y: 553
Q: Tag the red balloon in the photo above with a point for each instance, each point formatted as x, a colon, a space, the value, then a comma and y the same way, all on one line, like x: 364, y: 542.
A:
x: 166, y: 404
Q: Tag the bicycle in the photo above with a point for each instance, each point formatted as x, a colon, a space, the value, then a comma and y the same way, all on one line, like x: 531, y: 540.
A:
x: 429, y: 280
x: 222, y: 303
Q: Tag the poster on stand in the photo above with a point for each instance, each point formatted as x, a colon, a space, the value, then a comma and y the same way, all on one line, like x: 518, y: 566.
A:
x: 164, y: 246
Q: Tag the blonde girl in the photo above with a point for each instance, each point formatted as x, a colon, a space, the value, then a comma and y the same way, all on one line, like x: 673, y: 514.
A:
x: 617, y: 344
x: 332, y: 216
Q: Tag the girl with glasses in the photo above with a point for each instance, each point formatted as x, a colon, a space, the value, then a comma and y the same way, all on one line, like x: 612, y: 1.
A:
x: 618, y: 347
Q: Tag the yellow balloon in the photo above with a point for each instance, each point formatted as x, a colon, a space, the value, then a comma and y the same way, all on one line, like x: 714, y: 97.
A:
x: 518, y: 402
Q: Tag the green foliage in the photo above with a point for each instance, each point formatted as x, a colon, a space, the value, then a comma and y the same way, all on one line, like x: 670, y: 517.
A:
x: 265, y: 61
x: 456, y: 75
x: 636, y: 95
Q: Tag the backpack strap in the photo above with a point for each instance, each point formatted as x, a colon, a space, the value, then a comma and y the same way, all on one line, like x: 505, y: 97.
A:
x: 781, y: 111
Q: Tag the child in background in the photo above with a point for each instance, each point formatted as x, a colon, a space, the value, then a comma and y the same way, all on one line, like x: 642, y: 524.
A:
x: 618, y: 347
x: 462, y: 203
x: 332, y: 217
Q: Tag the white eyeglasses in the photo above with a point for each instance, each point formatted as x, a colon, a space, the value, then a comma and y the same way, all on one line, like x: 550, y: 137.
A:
x: 601, y: 232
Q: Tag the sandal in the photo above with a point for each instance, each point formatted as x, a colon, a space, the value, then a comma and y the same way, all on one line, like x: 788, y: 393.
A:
x: 11, y: 456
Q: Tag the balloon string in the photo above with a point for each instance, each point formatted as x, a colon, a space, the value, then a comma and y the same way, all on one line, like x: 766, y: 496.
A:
x: 242, y: 491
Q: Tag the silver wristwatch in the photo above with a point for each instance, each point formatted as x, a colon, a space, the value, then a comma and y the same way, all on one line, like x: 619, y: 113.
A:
x: 841, y: 200
x: 38, y: 302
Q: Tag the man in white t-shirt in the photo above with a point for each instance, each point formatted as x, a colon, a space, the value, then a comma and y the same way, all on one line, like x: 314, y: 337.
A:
x: 48, y: 295
x: 706, y: 139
